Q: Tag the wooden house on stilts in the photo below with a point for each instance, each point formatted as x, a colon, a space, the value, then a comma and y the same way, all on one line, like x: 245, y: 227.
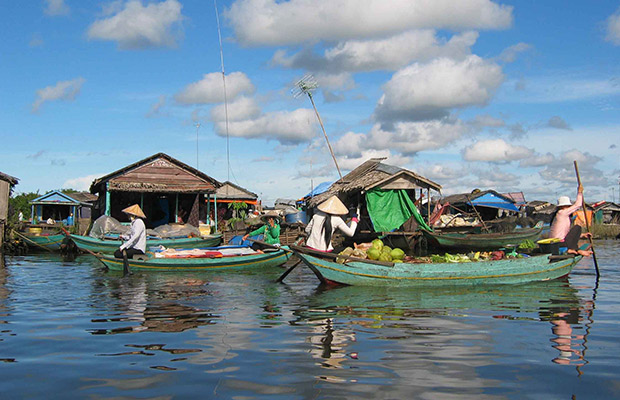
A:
x: 166, y: 189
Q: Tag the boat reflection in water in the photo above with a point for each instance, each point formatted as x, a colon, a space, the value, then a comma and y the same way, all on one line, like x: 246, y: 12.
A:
x: 435, y: 327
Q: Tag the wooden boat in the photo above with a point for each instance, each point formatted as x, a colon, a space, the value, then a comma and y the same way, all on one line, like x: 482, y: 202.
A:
x: 111, y: 245
x: 375, y: 273
x: 268, y: 258
x: 483, y: 241
x: 50, y: 242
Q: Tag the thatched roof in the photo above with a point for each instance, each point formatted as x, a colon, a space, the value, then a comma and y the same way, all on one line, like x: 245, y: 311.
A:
x: 158, y: 173
x: 230, y: 191
x: 8, y: 178
x: 375, y: 174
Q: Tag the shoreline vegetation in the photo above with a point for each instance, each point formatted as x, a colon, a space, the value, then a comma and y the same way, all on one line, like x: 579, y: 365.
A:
x: 605, y: 231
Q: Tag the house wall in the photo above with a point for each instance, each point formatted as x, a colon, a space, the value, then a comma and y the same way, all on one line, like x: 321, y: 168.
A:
x: 5, y: 189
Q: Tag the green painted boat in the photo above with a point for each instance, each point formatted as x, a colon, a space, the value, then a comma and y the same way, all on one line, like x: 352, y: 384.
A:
x: 483, y: 241
x: 109, y: 246
x: 375, y: 273
x: 48, y: 241
x: 270, y: 258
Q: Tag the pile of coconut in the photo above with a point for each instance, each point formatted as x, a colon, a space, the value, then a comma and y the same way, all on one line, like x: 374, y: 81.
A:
x: 374, y: 250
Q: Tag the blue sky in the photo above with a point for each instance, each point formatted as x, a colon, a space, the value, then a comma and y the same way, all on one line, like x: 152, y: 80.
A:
x: 482, y: 94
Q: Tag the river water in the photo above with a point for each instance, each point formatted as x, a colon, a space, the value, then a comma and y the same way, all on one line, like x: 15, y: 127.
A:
x: 73, y: 330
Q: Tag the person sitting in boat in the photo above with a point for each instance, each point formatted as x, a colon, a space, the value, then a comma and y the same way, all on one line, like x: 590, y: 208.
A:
x: 325, y: 221
x: 561, y: 224
x: 135, y: 243
x: 270, y: 230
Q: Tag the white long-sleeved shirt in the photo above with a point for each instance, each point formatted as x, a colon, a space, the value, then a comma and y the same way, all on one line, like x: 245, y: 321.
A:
x: 137, y: 236
x: 316, y: 238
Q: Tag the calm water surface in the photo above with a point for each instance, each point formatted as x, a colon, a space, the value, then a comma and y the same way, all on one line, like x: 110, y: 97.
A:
x: 73, y: 330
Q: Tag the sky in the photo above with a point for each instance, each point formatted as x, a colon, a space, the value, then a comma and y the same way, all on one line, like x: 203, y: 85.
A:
x: 500, y: 95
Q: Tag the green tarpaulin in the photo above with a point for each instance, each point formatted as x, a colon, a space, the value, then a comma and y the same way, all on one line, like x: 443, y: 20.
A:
x: 389, y: 209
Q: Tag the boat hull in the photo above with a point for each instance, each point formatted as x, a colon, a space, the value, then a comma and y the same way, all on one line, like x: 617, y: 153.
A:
x: 110, y: 246
x: 50, y: 242
x: 268, y: 259
x: 481, y: 241
x: 505, y: 271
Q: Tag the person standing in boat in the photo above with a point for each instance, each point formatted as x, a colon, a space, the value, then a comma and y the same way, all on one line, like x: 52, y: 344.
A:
x: 135, y: 243
x: 270, y: 230
x: 561, y: 224
x: 325, y: 221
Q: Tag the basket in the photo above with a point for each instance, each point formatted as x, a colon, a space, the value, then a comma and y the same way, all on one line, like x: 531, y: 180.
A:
x: 549, y: 246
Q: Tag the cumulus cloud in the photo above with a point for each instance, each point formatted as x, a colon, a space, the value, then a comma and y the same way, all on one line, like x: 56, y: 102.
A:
x: 243, y: 108
x: 81, y: 183
x: 613, y: 28
x: 537, y: 160
x: 406, y: 138
x: 286, y: 127
x: 64, y: 90
x: 210, y: 89
x: 272, y: 22
x: 389, y: 54
x: 56, y: 7
x: 139, y: 27
x: 561, y: 169
x: 495, y: 151
x: 428, y: 91
x: 558, y: 123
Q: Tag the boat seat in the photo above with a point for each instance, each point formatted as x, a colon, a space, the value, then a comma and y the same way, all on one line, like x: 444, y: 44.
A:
x: 141, y: 257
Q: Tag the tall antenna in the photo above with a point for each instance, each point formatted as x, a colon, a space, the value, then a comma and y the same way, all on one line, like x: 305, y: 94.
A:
x: 219, y: 34
x: 305, y: 86
x: 197, y: 126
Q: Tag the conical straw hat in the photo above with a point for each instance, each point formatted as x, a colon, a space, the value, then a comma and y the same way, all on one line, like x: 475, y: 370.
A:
x: 334, y: 206
x: 134, y: 210
x: 271, y: 214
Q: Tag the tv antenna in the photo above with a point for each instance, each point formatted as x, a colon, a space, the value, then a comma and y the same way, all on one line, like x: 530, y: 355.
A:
x: 305, y: 86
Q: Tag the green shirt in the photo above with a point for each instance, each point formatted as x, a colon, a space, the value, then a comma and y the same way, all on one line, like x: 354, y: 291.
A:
x: 272, y: 235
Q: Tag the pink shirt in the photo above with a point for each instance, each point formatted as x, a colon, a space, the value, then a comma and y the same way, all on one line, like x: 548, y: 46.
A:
x: 561, y: 223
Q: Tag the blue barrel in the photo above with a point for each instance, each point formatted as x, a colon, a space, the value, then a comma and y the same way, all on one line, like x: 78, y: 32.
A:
x: 296, y: 217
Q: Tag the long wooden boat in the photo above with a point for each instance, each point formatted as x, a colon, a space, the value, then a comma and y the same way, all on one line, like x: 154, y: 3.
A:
x: 268, y: 258
x: 373, y: 273
x: 109, y: 245
x: 50, y: 242
x: 483, y: 241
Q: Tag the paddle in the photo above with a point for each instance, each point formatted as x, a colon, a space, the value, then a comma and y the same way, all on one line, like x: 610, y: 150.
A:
x: 288, y: 271
x: 585, y: 214
x: 92, y: 253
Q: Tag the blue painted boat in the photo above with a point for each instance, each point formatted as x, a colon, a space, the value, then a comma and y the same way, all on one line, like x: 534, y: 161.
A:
x: 268, y: 258
x: 111, y: 245
x: 375, y: 273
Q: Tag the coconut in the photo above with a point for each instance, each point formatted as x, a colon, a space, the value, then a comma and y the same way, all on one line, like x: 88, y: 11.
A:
x: 373, y: 253
x: 397, y: 254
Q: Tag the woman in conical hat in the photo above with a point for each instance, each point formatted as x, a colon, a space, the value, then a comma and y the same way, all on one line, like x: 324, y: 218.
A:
x: 135, y: 243
x: 270, y: 230
x: 325, y: 221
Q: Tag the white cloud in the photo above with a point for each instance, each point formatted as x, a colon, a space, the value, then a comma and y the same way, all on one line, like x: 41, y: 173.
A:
x: 406, y: 138
x: 495, y: 151
x: 388, y: 54
x: 241, y: 109
x: 537, y: 160
x: 558, y: 123
x: 64, y: 90
x: 138, y: 27
x: 286, y: 127
x: 56, y: 7
x: 272, y: 22
x: 558, y: 88
x: 81, y: 183
x: 350, y: 163
x: 613, y: 28
x: 210, y: 89
x: 428, y: 91
x: 510, y: 54
x: 156, y: 109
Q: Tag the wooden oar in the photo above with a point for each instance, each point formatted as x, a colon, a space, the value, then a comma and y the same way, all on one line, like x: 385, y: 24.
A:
x: 27, y: 239
x: 288, y: 271
x: 92, y: 253
x: 585, y: 214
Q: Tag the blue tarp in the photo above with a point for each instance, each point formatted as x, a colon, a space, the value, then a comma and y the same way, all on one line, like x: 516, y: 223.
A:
x: 491, y: 200
x: 321, y: 188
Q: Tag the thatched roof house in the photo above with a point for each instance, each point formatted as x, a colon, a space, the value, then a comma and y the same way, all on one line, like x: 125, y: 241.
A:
x: 375, y: 174
x: 165, y: 188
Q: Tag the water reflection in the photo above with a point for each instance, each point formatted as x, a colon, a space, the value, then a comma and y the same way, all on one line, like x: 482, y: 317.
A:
x: 435, y: 328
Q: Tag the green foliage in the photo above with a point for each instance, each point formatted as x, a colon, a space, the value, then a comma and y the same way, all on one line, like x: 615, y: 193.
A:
x: 20, y: 203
